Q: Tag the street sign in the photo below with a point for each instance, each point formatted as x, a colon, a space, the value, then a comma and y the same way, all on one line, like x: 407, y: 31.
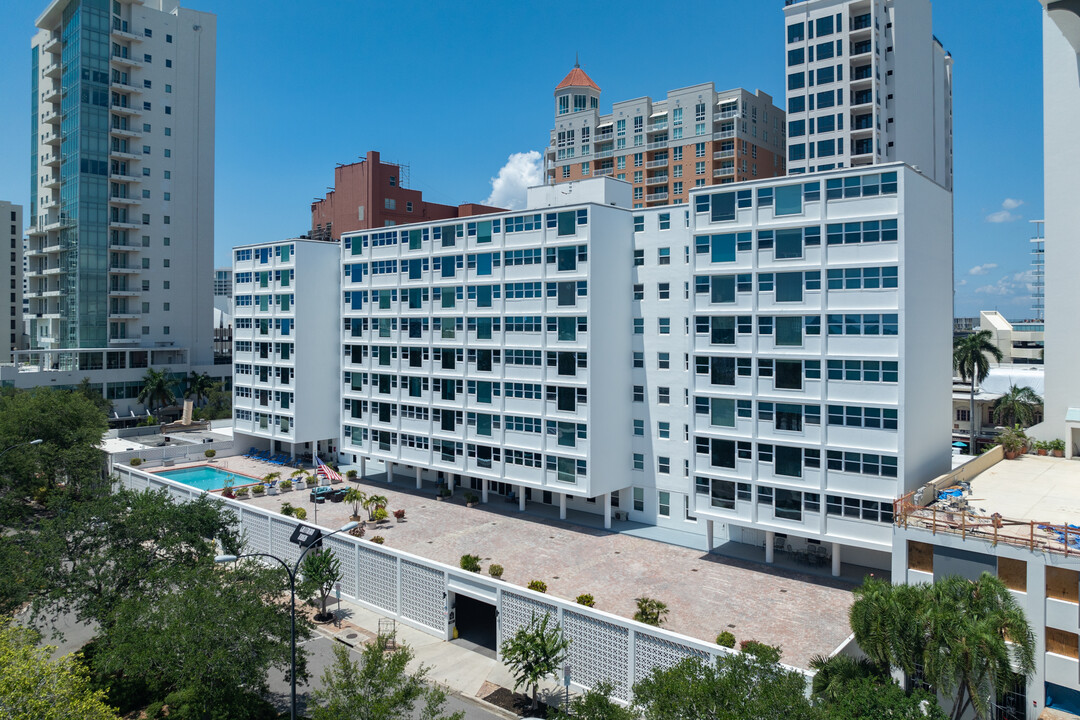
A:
x: 306, y: 536
x: 566, y: 674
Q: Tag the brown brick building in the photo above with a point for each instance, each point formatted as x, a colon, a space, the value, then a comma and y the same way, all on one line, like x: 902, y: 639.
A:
x: 695, y: 137
x: 370, y: 194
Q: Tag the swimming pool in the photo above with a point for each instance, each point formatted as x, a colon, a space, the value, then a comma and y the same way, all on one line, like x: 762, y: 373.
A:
x: 205, y: 477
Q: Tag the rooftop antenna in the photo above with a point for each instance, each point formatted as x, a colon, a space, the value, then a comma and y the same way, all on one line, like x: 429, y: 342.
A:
x: 576, y: 63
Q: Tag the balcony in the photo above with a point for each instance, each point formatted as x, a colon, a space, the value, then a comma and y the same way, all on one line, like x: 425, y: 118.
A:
x: 124, y: 133
x: 50, y: 271
x: 124, y: 109
x: 657, y: 127
x: 657, y: 196
x: 604, y: 171
x: 861, y: 48
x: 50, y: 138
x: 122, y: 200
x: 124, y: 178
x: 605, y: 153
x: 123, y: 154
x: 124, y: 246
x: 51, y: 160
x: 124, y: 60
x: 121, y: 291
x: 52, y: 117
x: 727, y: 113
x: 51, y: 70
x: 48, y: 204
x: 723, y: 172
x: 123, y: 86
x: 723, y: 135
x: 52, y: 45
x: 122, y: 31
x: 52, y: 95
x: 50, y: 181
x: 123, y: 225
x: 602, y: 136
x: 130, y: 340
x: 659, y: 145
x: 124, y: 315
x: 721, y: 154
x: 124, y: 269
x: 656, y: 179
x: 657, y: 163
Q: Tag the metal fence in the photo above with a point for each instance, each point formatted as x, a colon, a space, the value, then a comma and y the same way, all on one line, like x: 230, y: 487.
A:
x: 152, y: 456
x: 416, y: 591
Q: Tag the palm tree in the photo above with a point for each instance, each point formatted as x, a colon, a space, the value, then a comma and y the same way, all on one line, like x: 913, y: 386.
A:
x: 969, y: 359
x: 357, y: 498
x: 834, y: 674
x: 199, y: 386
x: 271, y: 477
x: 372, y: 502
x: 1017, y: 407
x: 157, y: 391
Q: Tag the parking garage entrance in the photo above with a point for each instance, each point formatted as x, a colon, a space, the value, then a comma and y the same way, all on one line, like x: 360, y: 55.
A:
x: 475, y: 617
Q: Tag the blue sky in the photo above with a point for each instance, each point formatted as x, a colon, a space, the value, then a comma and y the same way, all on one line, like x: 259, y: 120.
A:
x: 454, y: 89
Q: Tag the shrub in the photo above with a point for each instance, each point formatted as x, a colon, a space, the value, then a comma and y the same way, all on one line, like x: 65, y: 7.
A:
x: 241, y: 492
x: 378, y: 539
x: 258, y: 489
x: 351, y: 474
x: 209, y: 453
x: 287, y: 509
x: 135, y: 462
x: 754, y: 647
x: 470, y: 563
x: 471, y: 498
x: 285, y: 484
x: 300, y: 513
x: 444, y: 492
x: 1056, y: 445
x: 725, y: 639
x: 587, y: 600
x: 495, y: 570
x: 650, y: 612
x: 380, y: 514
x: 538, y: 586
x: 399, y: 514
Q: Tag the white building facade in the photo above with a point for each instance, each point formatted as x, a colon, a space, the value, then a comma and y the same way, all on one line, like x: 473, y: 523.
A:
x: 867, y: 83
x: 11, y: 279
x: 758, y: 364
x: 286, y: 316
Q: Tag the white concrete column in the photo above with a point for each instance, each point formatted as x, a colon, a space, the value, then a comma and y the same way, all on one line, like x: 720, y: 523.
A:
x: 419, y: 478
x: 389, y: 472
x: 708, y: 536
x: 607, y: 511
x: 363, y: 467
x: 770, y: 537
x: 562, y: 506
x: 521, y: 498
x: 836, y: 559
x: 484, y: 490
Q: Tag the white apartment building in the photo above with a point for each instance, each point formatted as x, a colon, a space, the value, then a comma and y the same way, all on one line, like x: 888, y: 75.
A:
x: 867, y: 83
x: 1061, y: 101
x: 286, y: 317
x: 757, y: 365
x: 223, y: 282
x: 11, y: 279
x: 122, y: 179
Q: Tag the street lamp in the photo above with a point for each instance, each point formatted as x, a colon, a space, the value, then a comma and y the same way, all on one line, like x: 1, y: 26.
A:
x: 18, y: 445
x: 291, y: 572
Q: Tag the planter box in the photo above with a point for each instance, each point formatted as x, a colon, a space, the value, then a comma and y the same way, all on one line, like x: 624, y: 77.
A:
x: 301, y: 485
x: 272, y: 491
x: 323, y: 482
x: 472, y: 504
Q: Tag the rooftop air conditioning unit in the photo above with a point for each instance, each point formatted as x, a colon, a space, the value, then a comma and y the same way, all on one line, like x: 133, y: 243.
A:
x: 620, y: 515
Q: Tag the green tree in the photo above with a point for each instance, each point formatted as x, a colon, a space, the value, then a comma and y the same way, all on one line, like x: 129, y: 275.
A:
x: 378, y: 687
x: 320, y: 570
x: 158, y: 389
x: 967, y: 639
x: 970, y: 361
x: 534, y: 652
x: 1016, y: 407
x: 594, y: 704
x: 218, y: 403
x: 356, y: 497
x: 34, y: 688
x: 212, y: 637
x: 738, y: 686
x: 866, y: 698
x: 650, y: 611
x: 834, y: 674
x: 198, y: 386
x: 95, y: 397
x: 374, y: 501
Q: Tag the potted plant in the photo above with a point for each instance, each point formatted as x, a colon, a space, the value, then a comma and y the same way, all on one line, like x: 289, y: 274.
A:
x: 135, y: 462
x: 538, y: 586
x: 352, y: 475
x: 399, y: 515
x: 378, y: 539
x: 285, y: 485
x: 470, y: 563
x: 1013, y: 441
x: 1041, y: 446
x: 1057, y: 447
x: 495, y: 570
x: 380, y: 515
x: 258, y: 490
x: 241, y: 493
x: 356, y: 498
x: 209, y: 454
x: 587, y: 600
x: 299, y: 513
x: 471, y: 500
x: 299, y: 478
x: 443, y: 494
x: 357, y: 531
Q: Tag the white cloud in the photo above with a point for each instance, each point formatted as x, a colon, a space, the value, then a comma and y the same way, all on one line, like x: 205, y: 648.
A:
x: 961, y: 283
x: 1010, y: 285
x: 1004, y: 215
x: 982, y: 269
x: 521, y: 171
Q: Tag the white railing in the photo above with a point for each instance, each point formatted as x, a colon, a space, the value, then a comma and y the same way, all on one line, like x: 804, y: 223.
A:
x: 417, y: 592
x: 154, y: 456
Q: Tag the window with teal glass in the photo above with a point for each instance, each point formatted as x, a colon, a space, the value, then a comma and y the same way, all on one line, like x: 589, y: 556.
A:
x: 414, y: 239
x: 567, y: 328
x: 483, y: 296
x: 483, y: 328
x: 567, y: 469
x: 483, y: 422
x: 483, y: 391
x: 789, y: 331
x: 567, y: 258
x: 384, y: 300
x: 788, y: 200
x: 789, y: 243
x: 789, y: 287
x: 723, y: 289
x: 483, y: 232
x: 567, y: 223
x: 285, y: 251
x: 448, y: 296
x: 384, y: 327
x: 722, y: 412
x: 567, y: 433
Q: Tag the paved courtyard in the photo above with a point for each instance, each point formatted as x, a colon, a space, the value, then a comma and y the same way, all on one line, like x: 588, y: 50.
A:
x: 706, y: 594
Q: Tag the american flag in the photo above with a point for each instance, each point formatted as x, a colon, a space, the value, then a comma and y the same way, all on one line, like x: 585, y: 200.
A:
x: 324, y: 470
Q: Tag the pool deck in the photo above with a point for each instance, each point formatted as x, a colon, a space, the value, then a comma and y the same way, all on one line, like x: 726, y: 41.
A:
x: 805, y: 614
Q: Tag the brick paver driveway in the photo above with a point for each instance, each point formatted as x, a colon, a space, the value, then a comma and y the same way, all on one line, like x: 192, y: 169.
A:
x: 706, y: 594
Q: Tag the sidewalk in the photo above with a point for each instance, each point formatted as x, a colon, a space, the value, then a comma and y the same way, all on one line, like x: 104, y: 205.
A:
x: 451, y: 664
